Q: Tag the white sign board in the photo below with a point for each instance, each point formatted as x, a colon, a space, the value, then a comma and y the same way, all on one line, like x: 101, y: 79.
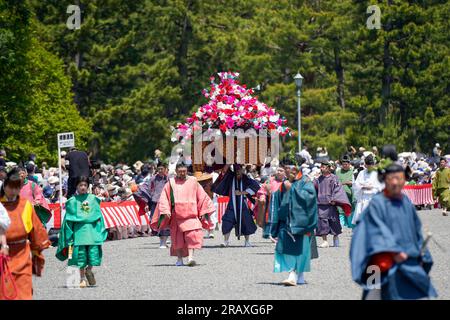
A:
x: 66, y: 140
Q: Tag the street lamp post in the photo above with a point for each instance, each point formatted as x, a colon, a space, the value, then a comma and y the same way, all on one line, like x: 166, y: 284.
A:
x: 298, y: 83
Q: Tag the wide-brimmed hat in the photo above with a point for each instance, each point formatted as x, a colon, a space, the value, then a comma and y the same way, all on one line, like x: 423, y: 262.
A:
x: 53, y: 180
x: 202, y: 176
x: 110, y: 187
x: 124, y: 192
x: 127, y: 179
x: 138, y: 164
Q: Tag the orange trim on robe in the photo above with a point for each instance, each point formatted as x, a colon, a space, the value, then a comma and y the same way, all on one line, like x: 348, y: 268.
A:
x: 21, y: 265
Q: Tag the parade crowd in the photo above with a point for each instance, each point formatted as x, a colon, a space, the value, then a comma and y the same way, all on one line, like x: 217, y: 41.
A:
x: 292, y: 200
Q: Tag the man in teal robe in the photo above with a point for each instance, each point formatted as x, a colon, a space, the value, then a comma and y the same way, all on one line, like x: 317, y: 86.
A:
x: 294, y: 211
x: 346, y: 178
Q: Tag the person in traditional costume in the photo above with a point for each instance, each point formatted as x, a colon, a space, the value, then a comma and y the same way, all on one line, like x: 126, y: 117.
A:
x: 388, y: 254
x: 365, y: 187
x: 346, y: 178
x: 82, y: 233
x: 206, y: 180
x: 330, y: 195
x: 4, y: 225
x: 441, y: 186
x: 186, y: 208
x: 147, y: 197
x: 31, y: 191
x: 264, y: 196
x: 294, y: 210
x: 239, y: 188
x: 26, y: 238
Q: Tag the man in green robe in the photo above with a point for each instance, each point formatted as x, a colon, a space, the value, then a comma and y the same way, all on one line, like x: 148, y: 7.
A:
x: 441, y: 186
x: 294, y: 209
x: 82, y: 233
x: 346, y: 177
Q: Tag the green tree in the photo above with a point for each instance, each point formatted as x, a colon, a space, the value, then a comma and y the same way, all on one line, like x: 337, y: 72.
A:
x: 35, y: 97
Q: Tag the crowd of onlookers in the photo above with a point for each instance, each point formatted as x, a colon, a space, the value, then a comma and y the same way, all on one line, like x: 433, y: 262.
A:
x: 118, y: 182
x: 421, y: 167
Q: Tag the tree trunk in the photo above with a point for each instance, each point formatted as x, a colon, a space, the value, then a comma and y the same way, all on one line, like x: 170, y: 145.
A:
x: 340, y: 76
x: 78, y: 61
x: 387, y: 74
x: 186, y: 33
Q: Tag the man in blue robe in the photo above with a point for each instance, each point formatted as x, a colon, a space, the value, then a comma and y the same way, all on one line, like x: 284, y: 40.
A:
x: 239, y: 187
x: 294, y: 212
x: 388, y: 256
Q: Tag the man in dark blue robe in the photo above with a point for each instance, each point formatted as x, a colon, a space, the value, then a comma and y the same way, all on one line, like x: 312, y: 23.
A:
x: 388, y: 256
x: 240, y: 188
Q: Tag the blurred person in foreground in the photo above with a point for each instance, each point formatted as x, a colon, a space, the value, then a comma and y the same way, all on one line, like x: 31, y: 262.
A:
x: 26, y: 238
x: 388, y: 240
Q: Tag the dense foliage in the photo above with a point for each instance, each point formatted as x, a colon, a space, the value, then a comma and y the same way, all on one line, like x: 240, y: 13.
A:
x: 138, y: 67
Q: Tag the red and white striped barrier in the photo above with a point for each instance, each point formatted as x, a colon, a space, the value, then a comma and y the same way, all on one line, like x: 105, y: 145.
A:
x: 126, y: 213
x: 114, y: 213
x: 419, y: 194
x: 222, y: 203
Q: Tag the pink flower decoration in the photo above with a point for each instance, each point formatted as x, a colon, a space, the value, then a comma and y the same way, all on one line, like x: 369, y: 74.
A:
x: 231, y: 105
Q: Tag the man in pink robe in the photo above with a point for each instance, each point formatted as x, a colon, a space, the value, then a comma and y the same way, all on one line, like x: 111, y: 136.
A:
x: 191, y: 212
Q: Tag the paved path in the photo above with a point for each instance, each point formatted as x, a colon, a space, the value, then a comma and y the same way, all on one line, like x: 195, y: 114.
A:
x: 138, y: 269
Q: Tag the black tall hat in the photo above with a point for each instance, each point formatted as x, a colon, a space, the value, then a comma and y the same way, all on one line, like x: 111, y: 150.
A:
x: 389, y: 151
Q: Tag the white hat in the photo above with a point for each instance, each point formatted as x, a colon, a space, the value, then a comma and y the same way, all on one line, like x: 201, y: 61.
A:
x: 53, y: 180
x: 274, y: 162
x: 138, y: 165
x: 125, y: 168
x: 63, y: 153
x: 437, y: 145
x: 126, y: 178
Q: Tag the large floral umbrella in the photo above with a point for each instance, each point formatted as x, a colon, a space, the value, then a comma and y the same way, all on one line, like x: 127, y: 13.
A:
x: 231, y: 106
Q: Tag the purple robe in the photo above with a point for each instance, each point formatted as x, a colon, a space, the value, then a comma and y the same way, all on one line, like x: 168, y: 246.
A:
x: 330, y: 189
